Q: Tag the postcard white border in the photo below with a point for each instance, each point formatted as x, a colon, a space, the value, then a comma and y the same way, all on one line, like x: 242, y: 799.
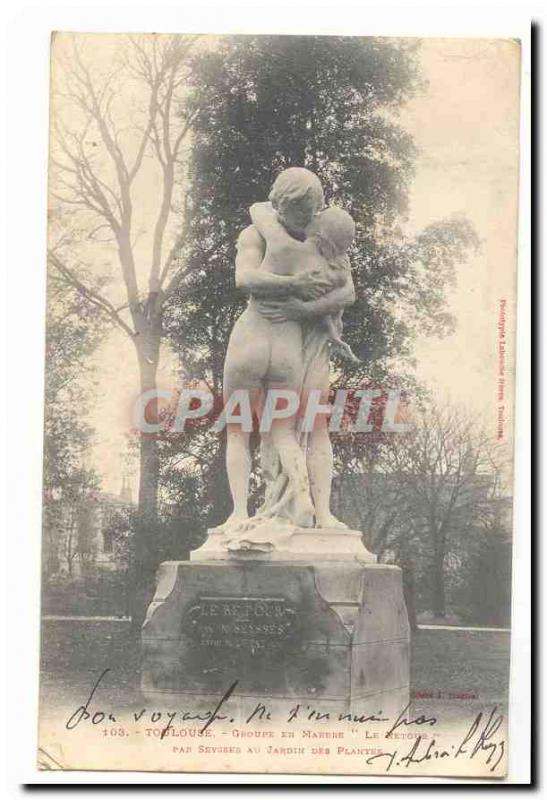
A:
x: 26, y: 54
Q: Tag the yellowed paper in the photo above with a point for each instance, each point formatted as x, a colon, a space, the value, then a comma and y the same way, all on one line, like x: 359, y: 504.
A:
x: 304, y: 592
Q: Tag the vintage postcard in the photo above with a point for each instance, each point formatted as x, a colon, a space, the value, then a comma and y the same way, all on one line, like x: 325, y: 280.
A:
x: 278, y: 453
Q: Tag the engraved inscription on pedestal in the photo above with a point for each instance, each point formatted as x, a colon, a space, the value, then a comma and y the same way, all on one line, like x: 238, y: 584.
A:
x: 254, y: 625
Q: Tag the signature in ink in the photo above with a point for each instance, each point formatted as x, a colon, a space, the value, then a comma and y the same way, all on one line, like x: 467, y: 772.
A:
x: 479, y: 738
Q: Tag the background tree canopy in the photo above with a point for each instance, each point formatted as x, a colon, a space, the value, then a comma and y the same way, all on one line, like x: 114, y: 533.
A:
x: 330, y: 104
x: 264, y: 103
x: 72, y: 334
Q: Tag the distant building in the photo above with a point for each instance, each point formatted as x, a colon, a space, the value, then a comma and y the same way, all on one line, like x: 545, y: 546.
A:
x: 84, y: 535
x: 106, y: 507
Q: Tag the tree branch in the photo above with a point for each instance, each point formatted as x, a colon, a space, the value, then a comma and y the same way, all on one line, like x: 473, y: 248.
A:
x: 90, y: 294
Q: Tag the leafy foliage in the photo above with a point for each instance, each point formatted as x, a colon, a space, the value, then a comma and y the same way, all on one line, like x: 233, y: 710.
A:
x: 73, y: 332
x: 327, y: 103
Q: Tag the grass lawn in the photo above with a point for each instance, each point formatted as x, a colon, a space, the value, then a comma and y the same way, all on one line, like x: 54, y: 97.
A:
x: 75, y: 652
x: 461, y: 661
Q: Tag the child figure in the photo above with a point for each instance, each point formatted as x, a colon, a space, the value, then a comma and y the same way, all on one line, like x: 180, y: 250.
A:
x: 328, y: 237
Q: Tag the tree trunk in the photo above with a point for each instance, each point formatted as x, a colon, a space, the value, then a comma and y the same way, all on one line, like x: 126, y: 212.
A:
x: 146, y: 551
x: 409, y: 592
x: 438, y: 605
x: 218, y: 490
x: 69, y: 550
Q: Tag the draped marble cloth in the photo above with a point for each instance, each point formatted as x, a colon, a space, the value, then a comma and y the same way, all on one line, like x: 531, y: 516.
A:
x: 273, y: 522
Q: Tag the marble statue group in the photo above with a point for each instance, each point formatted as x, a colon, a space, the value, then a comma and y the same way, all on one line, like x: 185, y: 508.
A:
x: 286, y: 602
x: 292, y: 262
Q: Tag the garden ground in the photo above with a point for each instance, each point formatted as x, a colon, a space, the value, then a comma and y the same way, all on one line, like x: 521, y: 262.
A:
x: 452, y: 670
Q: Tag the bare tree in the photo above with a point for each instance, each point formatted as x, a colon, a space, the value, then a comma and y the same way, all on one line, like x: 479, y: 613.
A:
x: 418, y: 494
x: 447, y: 470
x: 376, y: 503
x: 117, y: 127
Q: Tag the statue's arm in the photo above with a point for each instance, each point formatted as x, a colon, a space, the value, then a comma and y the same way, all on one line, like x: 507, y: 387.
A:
x: 331, y: 302
x: 250, y: 252
x: 266, y: 222
x: 300, y: 310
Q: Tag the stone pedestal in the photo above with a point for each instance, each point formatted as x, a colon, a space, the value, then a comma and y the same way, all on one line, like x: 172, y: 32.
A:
x: 326, y: 631
x: 310, y: 545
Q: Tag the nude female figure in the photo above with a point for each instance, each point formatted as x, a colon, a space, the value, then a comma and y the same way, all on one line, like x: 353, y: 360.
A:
x: 266, y: 350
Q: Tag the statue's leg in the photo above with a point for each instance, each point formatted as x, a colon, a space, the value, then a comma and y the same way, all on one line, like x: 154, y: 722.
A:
x: 285, y: 372
x: 319, y: 454
x: 246, y: 363
x: 238, y: 466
